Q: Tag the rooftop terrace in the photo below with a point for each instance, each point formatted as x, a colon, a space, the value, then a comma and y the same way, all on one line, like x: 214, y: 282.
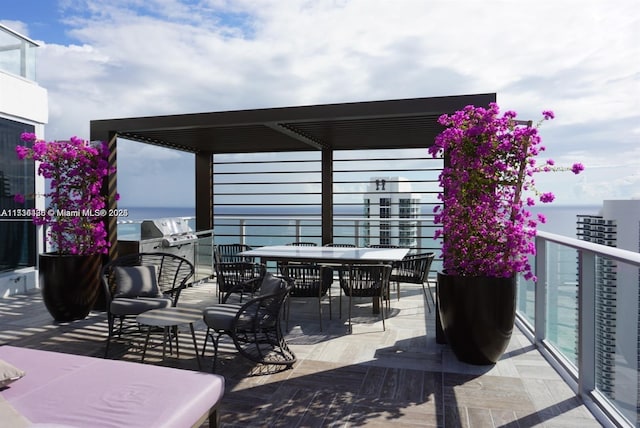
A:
x: 367, y: 378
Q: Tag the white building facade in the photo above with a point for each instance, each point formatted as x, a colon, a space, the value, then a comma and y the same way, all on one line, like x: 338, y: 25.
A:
x: 392, y: 211
x: 23, y: 108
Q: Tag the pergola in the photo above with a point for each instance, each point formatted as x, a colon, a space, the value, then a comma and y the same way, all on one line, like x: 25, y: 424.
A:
x: 401, y: 123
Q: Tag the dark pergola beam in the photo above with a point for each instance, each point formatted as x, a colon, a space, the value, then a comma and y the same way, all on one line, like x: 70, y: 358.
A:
x: 290, y: 132
x: 370, y: 125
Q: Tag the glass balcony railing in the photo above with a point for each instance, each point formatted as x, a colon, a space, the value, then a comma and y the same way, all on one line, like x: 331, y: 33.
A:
x: 583, y: 313
x: 17, y: 54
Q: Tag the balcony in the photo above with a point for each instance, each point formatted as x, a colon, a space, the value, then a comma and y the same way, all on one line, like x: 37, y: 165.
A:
x: 367, y: 378
x: 556, y: 372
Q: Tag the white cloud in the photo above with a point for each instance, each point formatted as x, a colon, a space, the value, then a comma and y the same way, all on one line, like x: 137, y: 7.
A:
x: 577, y: 58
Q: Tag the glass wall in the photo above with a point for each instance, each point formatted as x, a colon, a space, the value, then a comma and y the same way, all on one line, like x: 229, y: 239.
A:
x: 18, y: 243
x: 17, y: 54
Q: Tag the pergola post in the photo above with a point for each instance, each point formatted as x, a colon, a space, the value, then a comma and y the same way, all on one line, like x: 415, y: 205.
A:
x: 204, y: 190
x: 327, y: 196
x: 111, y: 222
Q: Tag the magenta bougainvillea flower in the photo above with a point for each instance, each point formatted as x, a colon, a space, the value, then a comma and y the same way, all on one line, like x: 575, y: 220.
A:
x: 486, y: 227
x: 76, y: 170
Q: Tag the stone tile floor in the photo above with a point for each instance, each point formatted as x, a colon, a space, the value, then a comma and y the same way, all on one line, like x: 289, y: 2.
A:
x: 368, y: 377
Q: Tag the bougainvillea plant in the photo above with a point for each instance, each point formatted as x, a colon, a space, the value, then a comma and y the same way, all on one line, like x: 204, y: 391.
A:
x: 76, y: 170
x: 486, y: 226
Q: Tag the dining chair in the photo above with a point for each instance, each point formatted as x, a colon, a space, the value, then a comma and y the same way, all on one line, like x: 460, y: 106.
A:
x: 136, y: 283
x: 254, y: 326
x: 308, y: 280
x: 238, y: 274
x: 414, y: 269
x: 365, y: 280
x: 229, y: 252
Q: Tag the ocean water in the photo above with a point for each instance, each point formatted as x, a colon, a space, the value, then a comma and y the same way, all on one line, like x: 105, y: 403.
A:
x: 560, y: 220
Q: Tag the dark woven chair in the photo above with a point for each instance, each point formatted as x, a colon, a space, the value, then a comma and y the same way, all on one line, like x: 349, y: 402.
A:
x: 136, y: 283
x: 415, y: 269
x: 308, y: 280
x: 370, y: 281
x: 253, y: 326
x: 229, y: 253
x: 235, y: 274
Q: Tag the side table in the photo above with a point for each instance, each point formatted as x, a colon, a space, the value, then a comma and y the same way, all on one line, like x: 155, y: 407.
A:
x: 170, y: 318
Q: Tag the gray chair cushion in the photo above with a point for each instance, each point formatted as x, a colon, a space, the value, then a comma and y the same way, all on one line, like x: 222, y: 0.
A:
x: 220, y: 317
x: 270, y: 284
x: 132, y: 306
x: 136, y: 281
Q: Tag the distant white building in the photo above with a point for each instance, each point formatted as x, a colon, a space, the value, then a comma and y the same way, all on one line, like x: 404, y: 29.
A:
x: 617, y: 295
x: 392, y: 210
x: 23, y: 108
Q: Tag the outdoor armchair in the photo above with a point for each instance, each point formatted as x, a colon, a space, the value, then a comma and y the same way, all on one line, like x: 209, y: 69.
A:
x: 254, y: 326
x: 136, y: 283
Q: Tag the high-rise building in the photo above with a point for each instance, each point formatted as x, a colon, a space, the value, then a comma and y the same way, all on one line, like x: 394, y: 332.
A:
x: 617, y: 295
x: 23, y: 108
x: 393, y: 211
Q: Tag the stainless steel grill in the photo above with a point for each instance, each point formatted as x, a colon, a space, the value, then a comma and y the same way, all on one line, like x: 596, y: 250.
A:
x: 172, y: 231
x: 168, y: 235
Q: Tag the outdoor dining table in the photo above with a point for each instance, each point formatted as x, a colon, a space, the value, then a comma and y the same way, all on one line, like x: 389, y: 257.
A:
x: 327, y: 256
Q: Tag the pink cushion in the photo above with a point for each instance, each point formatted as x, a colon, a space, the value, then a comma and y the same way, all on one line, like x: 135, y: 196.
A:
x: 84, y: 391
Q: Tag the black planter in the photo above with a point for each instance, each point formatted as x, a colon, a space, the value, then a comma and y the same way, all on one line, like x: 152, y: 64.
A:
x: 69, y: 284
x: 477, y: 315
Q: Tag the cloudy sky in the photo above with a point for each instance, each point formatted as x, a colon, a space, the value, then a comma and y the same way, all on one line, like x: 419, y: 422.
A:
x: 122, y: 58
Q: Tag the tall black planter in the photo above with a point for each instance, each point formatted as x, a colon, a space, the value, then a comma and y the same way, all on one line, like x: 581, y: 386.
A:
x: 477, y: 315
x: 69, y: 284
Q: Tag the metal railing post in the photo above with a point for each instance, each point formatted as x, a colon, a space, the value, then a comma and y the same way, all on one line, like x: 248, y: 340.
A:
x: 586, y: 322
x: 540, y: 304
x: 242, y: 225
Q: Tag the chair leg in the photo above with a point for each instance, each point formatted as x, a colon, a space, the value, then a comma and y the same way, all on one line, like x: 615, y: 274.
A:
x: 384, y: 328
x: 120, y: 328
x: 110, y: 323
x: 320, y: 306
x: 424, y: 290
x: 206, y: 339
x: 288, y: 311
x: 215, y: 351
x: 350, y: 297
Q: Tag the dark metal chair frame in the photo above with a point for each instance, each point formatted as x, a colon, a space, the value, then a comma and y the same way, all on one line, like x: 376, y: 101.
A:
x: 256, y: 330
x: 370, y: 280
x: 415, y: 269
x: 308, y: 280
x: 229, y: 253
x: 235, y: 273
x: 174, y: 273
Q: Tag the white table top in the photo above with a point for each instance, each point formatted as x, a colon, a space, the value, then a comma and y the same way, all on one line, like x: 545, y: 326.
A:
x: 337, y: 255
